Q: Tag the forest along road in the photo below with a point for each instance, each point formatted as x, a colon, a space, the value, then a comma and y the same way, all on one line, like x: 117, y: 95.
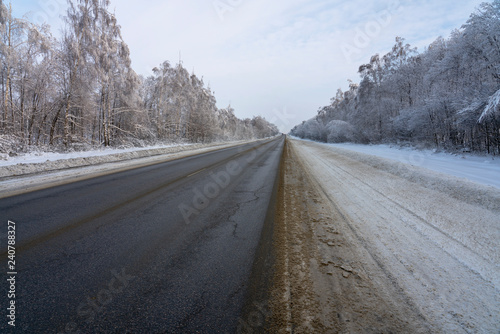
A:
x: 166, y: 248
x: 363, y: 248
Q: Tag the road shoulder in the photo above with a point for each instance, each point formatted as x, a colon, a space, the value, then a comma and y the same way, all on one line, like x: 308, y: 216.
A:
x: 324, y: 281
x: 429, y: 257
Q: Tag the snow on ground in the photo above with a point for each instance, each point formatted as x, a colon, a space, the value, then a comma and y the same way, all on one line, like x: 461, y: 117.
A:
x: 40, y: 157
x: 39, y: 170
x: 434, y: 236
x: 39, y: 162
x: 481, y: 169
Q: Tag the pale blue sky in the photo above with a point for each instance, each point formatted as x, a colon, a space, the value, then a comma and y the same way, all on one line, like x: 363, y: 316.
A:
x: 282, y: 59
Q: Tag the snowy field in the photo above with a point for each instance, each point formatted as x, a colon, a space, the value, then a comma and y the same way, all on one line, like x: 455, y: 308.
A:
x: 481, y: 169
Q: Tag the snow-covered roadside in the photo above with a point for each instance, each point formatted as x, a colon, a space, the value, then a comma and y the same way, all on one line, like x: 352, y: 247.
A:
x: 456, y: 187
x: 480, y: 169
x: 435, y: 237
x: 41, y: 157
x: 476, y: 168
x: 23, y: 177
x: 45, y: 162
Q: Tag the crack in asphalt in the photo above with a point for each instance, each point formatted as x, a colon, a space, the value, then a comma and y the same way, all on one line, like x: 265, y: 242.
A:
x: 80, y: 222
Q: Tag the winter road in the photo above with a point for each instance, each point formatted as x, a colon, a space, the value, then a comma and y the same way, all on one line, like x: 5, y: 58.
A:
x: 369, y: 245
x: 163, y: 248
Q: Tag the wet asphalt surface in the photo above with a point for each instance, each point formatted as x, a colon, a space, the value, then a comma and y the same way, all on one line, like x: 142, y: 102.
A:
x: 166, y: 248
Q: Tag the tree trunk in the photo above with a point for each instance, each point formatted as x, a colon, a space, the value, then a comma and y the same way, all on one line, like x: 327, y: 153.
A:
x: 8, y: 79
x: 53, y: 126
x: 32, y: 120
x: 23, y: 90
x: 41, y: 126
x: 73, y: 75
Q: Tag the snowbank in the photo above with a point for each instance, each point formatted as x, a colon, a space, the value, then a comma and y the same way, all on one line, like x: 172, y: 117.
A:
x: 480, y: 169
x: 416, y: 166
x: 45, y: 162
x: 41, y: 157
x: 433, y: 237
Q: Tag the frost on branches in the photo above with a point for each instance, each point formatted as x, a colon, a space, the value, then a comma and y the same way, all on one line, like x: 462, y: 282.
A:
x: 447, y: 96
x: 492, y: 110
x: 80, y: 90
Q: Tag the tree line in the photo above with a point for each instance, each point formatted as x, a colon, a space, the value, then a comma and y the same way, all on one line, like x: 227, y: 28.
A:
x: 80, y: 89
x: 448, y: 96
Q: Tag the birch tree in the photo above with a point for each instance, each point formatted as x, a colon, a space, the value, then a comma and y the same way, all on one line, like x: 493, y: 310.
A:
x: 12, y: 38
x: 81, y: 20
x: 81, y: 90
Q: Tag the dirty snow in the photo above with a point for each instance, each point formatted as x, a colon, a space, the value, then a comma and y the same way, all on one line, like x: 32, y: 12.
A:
x: 436, y: 239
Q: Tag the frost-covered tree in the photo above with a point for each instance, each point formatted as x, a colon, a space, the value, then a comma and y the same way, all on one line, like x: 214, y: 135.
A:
x: 81, y: 89
x: 446, y: 96
x: 13, y: 37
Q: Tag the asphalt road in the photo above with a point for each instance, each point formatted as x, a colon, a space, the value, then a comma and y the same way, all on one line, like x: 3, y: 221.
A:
x: 166, y: 248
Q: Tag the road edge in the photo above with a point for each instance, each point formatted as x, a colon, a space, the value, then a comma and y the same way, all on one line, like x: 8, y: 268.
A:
x: 255, y: 314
